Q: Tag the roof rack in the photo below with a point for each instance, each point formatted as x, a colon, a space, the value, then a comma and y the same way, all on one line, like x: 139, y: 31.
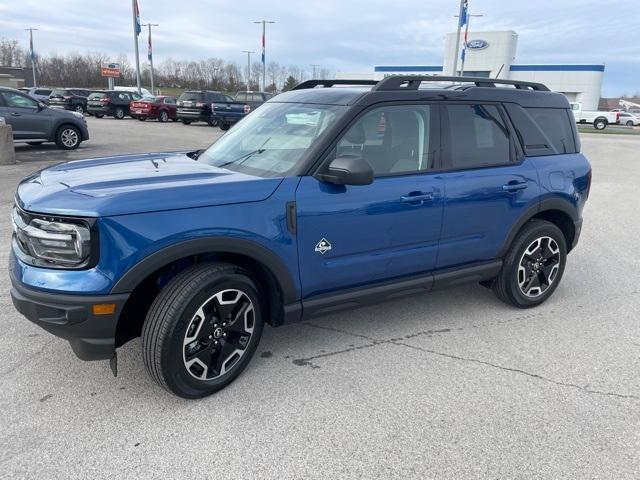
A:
x: 412, y: 82
x: 331, y: 83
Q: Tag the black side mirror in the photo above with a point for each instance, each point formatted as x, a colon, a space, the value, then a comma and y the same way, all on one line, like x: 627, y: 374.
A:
x: 348, y: 170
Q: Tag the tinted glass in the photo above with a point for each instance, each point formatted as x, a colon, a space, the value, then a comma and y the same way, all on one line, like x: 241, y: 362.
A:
x: 17, y: 100
x: 273, y: 139
x: 478, y: 136
x: 169, y: 100
x: 43, y: 92
x: 555, y: 123
x: 394, y: 139
x: 191, y: 96
x: 97, y: 95
x: 59, y: 92
x: 241, y: 97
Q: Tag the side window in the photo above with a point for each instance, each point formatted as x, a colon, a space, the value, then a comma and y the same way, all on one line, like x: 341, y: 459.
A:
x: 478, y: 136
x: 241, y: 97
x: 43, y: 92
x: 16, y: 100
x: 170, y: 100
x: 394, y: 140
x: 555, y: 123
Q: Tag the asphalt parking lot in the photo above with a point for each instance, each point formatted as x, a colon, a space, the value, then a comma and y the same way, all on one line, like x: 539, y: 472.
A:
x: 452, y: 384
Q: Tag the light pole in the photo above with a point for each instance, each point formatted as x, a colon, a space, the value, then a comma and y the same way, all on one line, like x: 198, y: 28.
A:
x: 264, y: 42
x: 466, y: 39
x: 314, y: 66
x: 462, y: 15
x: 150, y: 54
x: 248, y: 52
x: 33, y: 54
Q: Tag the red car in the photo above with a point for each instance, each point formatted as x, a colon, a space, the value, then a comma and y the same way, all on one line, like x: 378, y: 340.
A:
x: 163, y: 108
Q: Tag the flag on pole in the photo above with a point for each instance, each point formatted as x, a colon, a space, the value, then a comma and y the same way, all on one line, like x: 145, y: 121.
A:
x: 138, y: 23
x: 263, y: 47
x: 463, y: 14
x: 33, y: 54
x: 150, y: 54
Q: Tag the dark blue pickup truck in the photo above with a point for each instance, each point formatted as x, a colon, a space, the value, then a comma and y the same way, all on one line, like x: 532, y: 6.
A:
x: 226, y: 114
x: 323, y: 198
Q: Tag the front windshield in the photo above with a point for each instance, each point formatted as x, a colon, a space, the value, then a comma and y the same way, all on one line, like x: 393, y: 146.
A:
x: 272, y: 139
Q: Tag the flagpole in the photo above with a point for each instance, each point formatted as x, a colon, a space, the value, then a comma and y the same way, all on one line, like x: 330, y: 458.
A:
x: 264, y: 49
x: 150, y: 54
x: 466, y: 39
x: 33, y: 55
x: 134, y: 11
x: 455, y: 57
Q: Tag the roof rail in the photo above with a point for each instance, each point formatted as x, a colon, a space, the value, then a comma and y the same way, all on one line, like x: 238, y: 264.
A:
x: 412, y: 82
x: 331, y: 83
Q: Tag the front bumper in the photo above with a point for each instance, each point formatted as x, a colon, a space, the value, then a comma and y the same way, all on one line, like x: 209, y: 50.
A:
x: 92, y: 337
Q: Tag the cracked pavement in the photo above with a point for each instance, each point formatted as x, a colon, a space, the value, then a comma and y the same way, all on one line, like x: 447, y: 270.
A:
x: 451, y: 384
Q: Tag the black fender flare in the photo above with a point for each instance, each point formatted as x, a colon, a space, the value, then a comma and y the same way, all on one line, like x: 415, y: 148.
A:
x: 547, y: 204
x: 136, y: 274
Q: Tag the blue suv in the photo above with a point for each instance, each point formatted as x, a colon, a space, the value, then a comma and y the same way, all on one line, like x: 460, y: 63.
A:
x: 333, y: 195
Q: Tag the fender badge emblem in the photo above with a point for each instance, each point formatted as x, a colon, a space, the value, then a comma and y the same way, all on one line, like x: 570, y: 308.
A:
x: 323, y: 246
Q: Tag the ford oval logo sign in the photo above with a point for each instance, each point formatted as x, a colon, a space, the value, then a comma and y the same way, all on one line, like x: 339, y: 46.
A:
x: 477, y: 44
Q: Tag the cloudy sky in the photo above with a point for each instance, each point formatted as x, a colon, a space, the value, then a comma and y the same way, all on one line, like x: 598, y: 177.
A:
x: 341, y: 35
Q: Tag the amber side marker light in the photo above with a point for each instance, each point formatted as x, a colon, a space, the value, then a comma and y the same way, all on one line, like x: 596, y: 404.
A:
x: 103, y: 308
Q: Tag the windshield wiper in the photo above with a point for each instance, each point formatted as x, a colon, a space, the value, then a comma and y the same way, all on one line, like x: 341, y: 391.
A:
x: 246, y: 156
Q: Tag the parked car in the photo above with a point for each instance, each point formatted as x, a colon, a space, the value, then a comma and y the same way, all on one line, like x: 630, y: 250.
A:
x: 230, y: 112
x: 39, y: 93
x: 69, y: 99
x: 629, y: 119
x: 161, y: 107
x: 195, y: 106
x: 111, y: 103
x: 598, y: 119
x: 34, y: 122
x: 304, y: 209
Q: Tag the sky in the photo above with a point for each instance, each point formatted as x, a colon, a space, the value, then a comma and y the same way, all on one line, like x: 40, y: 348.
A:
x: 340, y: 35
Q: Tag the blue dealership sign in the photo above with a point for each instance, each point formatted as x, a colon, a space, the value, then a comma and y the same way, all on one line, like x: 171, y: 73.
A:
x: 477, y: 44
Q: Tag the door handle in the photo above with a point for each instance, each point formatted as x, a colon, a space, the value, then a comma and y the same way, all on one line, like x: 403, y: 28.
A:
x: 416, y: 197
x: 514, y: 187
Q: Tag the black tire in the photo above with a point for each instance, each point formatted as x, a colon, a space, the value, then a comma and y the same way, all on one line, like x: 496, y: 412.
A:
x: 186, y: 122
x: 142, y: 119
x: 172, y: 315
x: 98, y: 115
x: 119, y: 113
x: 79, y: 108
x: 506, y: 285
x: 35, y: 143
x: 629, y: 123
x: 600, y: 123
x: 163, y: 117
x: 68, y: 137
x: 212, y: 122
x: 224, y: 127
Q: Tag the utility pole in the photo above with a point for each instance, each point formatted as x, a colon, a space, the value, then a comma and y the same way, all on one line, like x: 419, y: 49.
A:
x: 248, y: 52
x: 136, y: 32
x: 150, y: 54
x: 32, y: 54
x: 462, y: 16
x: 314, y: 66
x: 264, y: 48
x: 466, y: 39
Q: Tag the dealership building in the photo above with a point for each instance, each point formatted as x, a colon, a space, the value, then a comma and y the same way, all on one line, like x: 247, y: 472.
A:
x: 492, y: 54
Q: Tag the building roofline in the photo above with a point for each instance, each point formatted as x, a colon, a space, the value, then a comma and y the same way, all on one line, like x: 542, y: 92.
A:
x: 575, y: 67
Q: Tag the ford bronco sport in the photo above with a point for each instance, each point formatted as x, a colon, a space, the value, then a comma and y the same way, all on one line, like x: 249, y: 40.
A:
x: 332, y: 195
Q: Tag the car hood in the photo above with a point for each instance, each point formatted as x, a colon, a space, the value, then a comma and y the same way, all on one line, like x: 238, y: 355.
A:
x: 137, y: 184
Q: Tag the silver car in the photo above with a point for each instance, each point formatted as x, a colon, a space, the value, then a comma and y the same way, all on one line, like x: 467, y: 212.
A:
x: 629, y: 119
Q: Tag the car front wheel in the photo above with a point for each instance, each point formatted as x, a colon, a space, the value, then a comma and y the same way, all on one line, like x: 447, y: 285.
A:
x: 202, y: 329
x: 79, y: 109
x: 119, y: 113
x: 225, y: 126
x: 164, y: 116
x: 533, y: 268
x: 68, y: 137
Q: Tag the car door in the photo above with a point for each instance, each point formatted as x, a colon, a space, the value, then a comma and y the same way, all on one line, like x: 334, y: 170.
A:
x: 488, y: 183
x: 351, y: 236
x: 25, y: 116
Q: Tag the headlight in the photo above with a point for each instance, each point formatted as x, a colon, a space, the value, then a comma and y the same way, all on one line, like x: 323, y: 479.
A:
x: 52, y: 242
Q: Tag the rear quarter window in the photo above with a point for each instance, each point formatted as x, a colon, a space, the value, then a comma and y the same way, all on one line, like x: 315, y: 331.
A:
x: 556, y: 124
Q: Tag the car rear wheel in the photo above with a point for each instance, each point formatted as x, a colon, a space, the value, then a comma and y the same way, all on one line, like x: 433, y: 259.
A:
x: 164, y: 116
x: 600, y: 124
x: 202, y: 329
x: 533, y: 268
x: 629, y: 123
x: 225, y: 126
x: 212, y: 122
x: 79, y: 109
x: 68, y: 137
x: 186, y: 122
x: 119, y: 113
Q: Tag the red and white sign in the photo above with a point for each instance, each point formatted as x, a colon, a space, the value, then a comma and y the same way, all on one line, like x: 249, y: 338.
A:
x: 111, y: 70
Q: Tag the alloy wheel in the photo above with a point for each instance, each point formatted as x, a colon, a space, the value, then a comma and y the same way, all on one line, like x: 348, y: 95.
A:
x: 539, y: 266
x: 69, y: 137
x: 218, y: 334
